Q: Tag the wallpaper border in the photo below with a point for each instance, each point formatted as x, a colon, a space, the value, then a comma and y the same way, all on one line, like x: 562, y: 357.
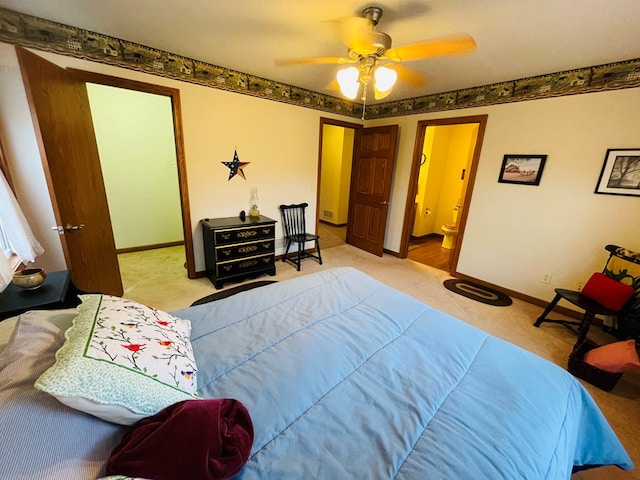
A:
x: 29, y: 31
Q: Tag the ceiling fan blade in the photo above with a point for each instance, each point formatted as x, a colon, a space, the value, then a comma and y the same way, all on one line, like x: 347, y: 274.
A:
x: 378, y: 95
x: 355, y: 32
x: 286, y: 62
x: 452, y: 45
x: 411, y: 77
x: 333, y: 85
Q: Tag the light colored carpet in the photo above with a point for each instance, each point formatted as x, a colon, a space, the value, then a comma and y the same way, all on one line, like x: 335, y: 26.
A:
x: 158, y: 278
x: 331, y: 236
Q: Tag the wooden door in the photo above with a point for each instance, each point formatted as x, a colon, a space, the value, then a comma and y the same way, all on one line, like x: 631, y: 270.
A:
x: 62, y: 119
x: 371, y: 187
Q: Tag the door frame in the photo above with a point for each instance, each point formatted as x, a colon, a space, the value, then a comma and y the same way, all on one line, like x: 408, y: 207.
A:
x: 336, y: 123
x: 174, y: 95
x: 481, y: 120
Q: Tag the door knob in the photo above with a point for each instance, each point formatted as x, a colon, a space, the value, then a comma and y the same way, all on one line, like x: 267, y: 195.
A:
x: 384, y: 203
x: 67, y: 228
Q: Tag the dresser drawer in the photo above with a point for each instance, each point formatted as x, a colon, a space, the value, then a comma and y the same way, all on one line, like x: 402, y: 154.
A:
x: 243, y: 234
x: 238, y: 250
x: 245, y: 265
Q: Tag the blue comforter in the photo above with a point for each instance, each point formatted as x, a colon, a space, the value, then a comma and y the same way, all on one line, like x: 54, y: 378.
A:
x: 345, y: 377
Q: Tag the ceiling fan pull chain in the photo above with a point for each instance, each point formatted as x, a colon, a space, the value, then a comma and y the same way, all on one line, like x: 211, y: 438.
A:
x: 364, y: 99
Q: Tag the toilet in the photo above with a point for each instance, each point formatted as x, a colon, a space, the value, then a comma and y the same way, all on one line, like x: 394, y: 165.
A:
x: 450, y: 231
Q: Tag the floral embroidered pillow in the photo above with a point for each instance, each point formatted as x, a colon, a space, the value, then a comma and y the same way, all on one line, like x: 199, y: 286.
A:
x: 122, y: 361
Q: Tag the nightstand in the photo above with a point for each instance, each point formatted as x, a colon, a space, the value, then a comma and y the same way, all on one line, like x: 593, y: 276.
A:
x: 57, y: 291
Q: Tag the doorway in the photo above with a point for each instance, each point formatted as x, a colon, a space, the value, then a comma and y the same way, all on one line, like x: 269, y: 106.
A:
x: 179, y: 230
x: 134, y: 133
x: 60, y: 108
x: 136, y: 146
x: 334, y: 180
x: 442, y: 176
x: 364, y: 188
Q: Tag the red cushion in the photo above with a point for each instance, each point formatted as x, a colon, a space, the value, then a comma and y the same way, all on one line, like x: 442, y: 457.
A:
x: 607, y: 292
x: 206, y: 439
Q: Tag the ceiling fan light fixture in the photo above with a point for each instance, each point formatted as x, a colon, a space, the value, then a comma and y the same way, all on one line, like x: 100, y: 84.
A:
x: 369, y: 49
x: 385, y: 78
x: 348, y: 81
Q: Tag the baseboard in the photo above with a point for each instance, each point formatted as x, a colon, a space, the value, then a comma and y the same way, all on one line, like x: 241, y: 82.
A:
x: 422, y: 238
x: 520, y: 296
x: 149, y: 247
x: 525, y: 298
x: 331, y: 224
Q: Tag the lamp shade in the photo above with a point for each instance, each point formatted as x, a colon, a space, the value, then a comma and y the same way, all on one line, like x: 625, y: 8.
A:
x: 385, y: 78
x: 348, y: 81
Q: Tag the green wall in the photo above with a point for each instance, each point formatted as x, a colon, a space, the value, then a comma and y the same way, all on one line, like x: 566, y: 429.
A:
x: 134, y: 131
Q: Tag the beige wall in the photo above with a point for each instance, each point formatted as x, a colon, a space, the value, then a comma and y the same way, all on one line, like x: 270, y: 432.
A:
x: 517, y: 233
x: 448, y: 150
x: 332, y: 140
x: 514, y: 234
x: 337, y: 155
x: 459, y: 156
x: 345, y: 175
x: 280, y: 141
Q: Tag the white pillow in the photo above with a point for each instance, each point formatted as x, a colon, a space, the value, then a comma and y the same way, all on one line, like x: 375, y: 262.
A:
x: 122, y: 361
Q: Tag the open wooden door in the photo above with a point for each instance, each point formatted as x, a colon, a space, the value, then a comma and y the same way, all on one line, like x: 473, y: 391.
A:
x: 62, y: 119
x: 372, y: 173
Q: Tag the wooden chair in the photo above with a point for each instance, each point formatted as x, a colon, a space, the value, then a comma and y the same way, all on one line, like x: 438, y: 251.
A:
x: 295, y: 231
x: 622, y: 265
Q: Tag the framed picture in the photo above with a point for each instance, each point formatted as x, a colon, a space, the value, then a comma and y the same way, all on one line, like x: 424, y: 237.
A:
x: 620, y: 173
x: 522, y: 169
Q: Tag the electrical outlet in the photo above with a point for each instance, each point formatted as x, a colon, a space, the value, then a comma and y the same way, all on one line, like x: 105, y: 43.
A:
x: 579, y: 285
x: 546, y: 278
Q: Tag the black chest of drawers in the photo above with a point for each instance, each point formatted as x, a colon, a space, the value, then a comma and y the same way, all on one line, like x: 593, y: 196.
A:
x: 235, y: 249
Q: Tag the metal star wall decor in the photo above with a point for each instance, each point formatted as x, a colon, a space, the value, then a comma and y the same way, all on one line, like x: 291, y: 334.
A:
x: 235, y: 166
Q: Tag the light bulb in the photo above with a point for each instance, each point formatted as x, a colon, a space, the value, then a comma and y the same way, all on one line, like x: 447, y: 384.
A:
x: 385, y: 79
x: 348, y: 81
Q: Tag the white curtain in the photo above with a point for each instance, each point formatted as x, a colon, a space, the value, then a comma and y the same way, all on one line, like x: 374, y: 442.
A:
x: 6, y: 272
x: 15, y: 226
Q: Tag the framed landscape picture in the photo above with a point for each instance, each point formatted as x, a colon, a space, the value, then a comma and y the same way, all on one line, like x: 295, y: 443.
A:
x: 522, y: 169
x: 620, y: 173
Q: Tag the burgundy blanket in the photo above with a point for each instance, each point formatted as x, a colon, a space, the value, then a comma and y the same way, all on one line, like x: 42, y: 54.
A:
x: 203, y: 439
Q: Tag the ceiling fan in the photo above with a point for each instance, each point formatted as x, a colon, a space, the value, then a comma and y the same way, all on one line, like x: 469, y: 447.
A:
x: 375, y: 61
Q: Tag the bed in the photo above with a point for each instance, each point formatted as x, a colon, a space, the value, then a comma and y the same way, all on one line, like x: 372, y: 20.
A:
x: 344, y: 377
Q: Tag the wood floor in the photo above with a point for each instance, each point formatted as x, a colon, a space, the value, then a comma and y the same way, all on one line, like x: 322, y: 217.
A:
x: 429, y: 251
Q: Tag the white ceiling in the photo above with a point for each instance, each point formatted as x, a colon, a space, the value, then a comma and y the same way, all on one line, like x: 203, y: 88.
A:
x: 515, y: 38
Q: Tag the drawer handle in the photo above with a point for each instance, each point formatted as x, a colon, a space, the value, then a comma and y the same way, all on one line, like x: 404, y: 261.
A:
x: 266, y: 245
x: 226, y: 252
x: 227, y: 267
x: 248, y: 233
x: 248, y: 263
x: 248, y: 249
x: 266, y: 231
x: 267, y: 260
x: 225, y: 236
